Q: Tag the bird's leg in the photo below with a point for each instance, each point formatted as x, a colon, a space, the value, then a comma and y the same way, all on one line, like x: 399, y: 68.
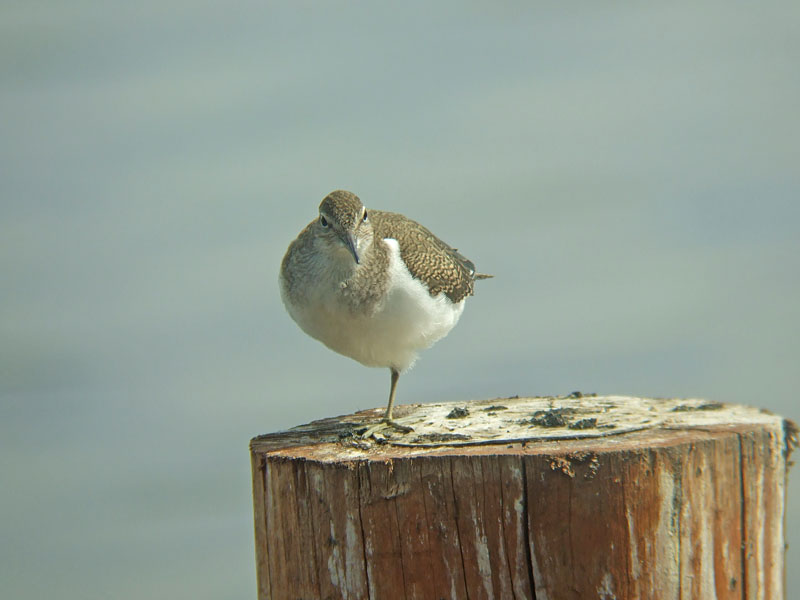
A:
x: 388, y: 418
x: 388, y: 422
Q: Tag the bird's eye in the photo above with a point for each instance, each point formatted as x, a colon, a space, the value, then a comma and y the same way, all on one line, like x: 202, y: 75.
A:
x: 365, y: 216
x: 323, y: 221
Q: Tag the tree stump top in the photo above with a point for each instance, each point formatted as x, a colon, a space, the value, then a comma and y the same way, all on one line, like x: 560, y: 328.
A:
x: 521, y: 425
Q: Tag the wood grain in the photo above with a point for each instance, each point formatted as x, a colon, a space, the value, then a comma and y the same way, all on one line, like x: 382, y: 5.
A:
x: 674, y: 512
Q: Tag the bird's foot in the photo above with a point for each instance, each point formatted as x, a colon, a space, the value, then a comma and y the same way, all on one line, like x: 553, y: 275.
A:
x: 383, y: 425
x: 395, y: 425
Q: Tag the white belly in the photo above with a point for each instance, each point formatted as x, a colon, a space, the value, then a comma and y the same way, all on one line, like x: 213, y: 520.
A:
x: 406, y: 321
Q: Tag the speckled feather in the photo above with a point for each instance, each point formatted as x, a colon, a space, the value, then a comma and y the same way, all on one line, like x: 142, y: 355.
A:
x: 439, y: 266
x: 343, y: 207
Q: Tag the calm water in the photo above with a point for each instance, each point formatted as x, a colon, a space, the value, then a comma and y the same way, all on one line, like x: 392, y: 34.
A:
x: 628, y: 173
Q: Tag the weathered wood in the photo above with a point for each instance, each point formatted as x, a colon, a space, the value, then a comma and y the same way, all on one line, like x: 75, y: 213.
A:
x: 546, y: 498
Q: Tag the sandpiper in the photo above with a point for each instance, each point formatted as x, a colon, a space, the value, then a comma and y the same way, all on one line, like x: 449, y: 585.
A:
x: 374, y: 285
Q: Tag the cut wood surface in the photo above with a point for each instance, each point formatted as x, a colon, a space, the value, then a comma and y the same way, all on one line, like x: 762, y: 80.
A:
x: 548, y: 498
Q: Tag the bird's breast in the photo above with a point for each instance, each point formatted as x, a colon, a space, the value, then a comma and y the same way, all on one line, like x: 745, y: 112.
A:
x: 385, y: 329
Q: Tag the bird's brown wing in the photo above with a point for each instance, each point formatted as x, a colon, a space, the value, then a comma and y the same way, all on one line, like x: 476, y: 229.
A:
x: 436, y: 264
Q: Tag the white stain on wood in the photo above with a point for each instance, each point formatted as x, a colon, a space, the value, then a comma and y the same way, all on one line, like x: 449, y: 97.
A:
x: 482, y: 552
x: 707, y: 587
x: 334, y: 565
x: 541, y: 592
x: 353, y: 561
x: 667, y: 542
x: 605, y: 591
x: 779, y: 445
x: 636, y: 567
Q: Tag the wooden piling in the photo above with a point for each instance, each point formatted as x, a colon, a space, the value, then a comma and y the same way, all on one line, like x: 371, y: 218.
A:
x: 547, y: 498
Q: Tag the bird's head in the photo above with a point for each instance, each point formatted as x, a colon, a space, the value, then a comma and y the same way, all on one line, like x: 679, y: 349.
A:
x: 344, y: 224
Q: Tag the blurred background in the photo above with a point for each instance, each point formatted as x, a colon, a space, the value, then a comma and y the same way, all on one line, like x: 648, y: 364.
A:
x: 628, y: 172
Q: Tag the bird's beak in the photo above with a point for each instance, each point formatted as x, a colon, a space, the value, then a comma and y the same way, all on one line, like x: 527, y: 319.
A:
x: 350, y: 242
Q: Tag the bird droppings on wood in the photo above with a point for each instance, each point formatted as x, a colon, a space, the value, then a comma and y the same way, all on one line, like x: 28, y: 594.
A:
x: 579, y: 394
x: 584, y: 424
x: 584, y: 457
x: 559, y: 463
x: 554, y: 417
x: 433, y: 438
x: 459, y: 412
x: 594, y: 467
x: 565, y: 463
x: 703, y: 406
x: 585, y: 417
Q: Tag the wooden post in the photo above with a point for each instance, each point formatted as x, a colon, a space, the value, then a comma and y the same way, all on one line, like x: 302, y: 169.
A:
x: 548, y: 498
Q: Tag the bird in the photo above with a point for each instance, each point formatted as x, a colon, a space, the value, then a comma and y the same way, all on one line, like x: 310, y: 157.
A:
x: 373, y: 285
